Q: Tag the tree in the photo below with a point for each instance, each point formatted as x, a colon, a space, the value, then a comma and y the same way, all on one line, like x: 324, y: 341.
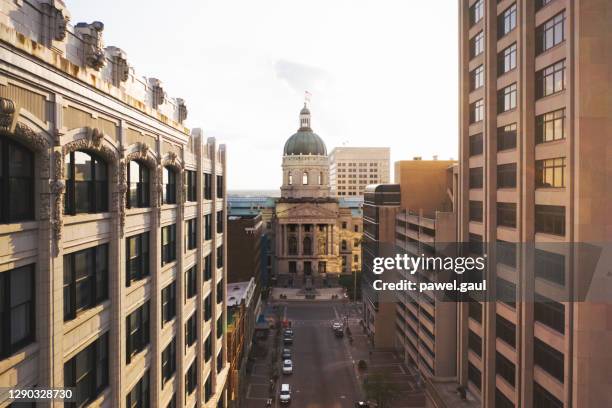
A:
x: 380, y: 389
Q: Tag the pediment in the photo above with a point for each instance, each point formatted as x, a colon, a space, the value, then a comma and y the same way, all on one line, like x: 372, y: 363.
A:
x: 306, y: 210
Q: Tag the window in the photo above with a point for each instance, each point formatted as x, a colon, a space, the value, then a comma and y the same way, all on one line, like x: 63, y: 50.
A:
x: 87, y: 372
x: 207, y: 308
x: 550, y: 80
x: 344, y: 225
x: 305, y: 178
x: 475, y: 245
x: 475, y: 343
x: 477, y: 44
x: 208, y: 389
x: 207, y: 267
x: 137, y: 258
x: 506, y: 214
x: 477, y: 78
x: 506, y: 175
x: 550, y: 219
x: 356, y: 243
x: 16, y: 182
x: 476, y: 211
x: 551, y: 33
x: 219, y: 362
x: 476, y: 144
x: 543, y: 398
x: 477, y: 111
x: 501, y: 401
x: 505, y: 368
x: 86, y: 184
x: 506, y: 98
x: 137, y: 327
x: 307, y: 246
x: 169, y: 186
x: 505, y: 330
x: 475, y: 177
x: 219, y: 328
x: 506, y: 292
x: 219, y: 222
x: 138, y: 185
x: 550, y: 266
x: 550, y: 173
x: 168, y: 361
x: 474, y: 375
x: 17, y: 308
x: 506, y: 137
x: 344, y: 245
x: 138, y: 397
x: 549, y: 312
x: 85, y: 280
x: 192, y: 232
x: 207, y: 227
x: 548, y: 358
x: 506, y: 60
x: 355, y: 258
x: 220, y: 186
x: 476, y: 12
x: 292, y: 267
x: 542, y: 3
x: 356, y: 228
x: 506, y: 253
x: 550, y: 126
x: 208, y: 349
x: 191, y: 185
x: 320, y: 178
x: 190, y: 282
x: 207, y: 186
x: 475, y: 310
x: 191, y: 378
x: 220, y: 291
x: 290, y: 179
x: 168, y: 244
x: 506, y: 22
x: 220, y: 257
x: 191, y: 331
x: 168, y: 303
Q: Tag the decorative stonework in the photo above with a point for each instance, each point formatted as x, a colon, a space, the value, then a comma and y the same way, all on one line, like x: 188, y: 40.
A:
x: 157, y: 92
x: 56, y: 20
x: 7, y: 114
x: 120, y: 67
x: 141, y: 153
x: 120, y: 195
x: 91, y: 33
x: 182, y: 110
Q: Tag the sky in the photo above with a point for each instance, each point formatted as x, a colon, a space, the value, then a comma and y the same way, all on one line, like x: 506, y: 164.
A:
x: 381, y: 72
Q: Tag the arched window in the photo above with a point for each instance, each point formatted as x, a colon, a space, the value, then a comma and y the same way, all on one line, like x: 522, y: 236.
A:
x: 292, y: 246
x: 86, y: 184
x: 321, y: 178
x: 138, y: 185
x: 169, y: 194
x: 344, y: 245
x: 290, y: 178
x: 307, y: 246
x: 16, y: 182
x: 305, y: 178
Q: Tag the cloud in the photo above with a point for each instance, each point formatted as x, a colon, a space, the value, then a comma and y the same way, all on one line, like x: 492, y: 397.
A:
x: 302, y: 77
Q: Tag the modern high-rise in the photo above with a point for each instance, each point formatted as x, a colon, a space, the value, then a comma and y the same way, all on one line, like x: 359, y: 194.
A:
x: 112, y: 224
x: 351, y: 169
x: 535, y: 125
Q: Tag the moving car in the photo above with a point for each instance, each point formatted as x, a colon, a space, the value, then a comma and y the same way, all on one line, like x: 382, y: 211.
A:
x: 285, y: 394
x: 339, y: 332
x: 287, y: 367
x: 337, y: 326
x: 287, y: 340
x: 286, y: 353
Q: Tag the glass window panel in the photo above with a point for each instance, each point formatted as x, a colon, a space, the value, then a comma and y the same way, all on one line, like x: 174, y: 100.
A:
x: 20, y: 163
x: 82, y: 166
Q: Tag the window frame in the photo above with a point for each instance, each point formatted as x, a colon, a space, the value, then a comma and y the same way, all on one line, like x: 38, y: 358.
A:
x: 169, y: 176
x: 7, y: 348
x: 168, y: 362
x: 506, y: 59
x: 70, y: 197
x: 143, y: 259
x: 143, y: 188
x: 549, y: 30
x: 26, y: 184
x: 555, y: 167
x: 96, y: 357
x: 507, y: 98
x: 139, y: 337
x: 506, y: 21
x: 168, y: 249
x: 553, y: 118
x: 551, y: 80
x: 506, y: 175
x: 168, y: 303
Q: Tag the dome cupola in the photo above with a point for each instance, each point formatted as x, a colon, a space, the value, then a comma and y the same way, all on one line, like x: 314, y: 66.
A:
x: 305, y: 141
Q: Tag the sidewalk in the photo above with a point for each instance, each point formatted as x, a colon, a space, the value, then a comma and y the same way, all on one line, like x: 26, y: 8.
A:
x: 298, y: 294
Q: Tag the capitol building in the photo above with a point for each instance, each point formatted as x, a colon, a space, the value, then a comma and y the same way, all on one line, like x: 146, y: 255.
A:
x: 316, y: 235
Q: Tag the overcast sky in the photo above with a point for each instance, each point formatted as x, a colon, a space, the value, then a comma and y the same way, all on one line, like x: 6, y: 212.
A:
x: 381, y: 72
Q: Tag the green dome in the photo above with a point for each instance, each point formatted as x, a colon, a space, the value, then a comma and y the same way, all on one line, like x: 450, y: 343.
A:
x: 305, y: 142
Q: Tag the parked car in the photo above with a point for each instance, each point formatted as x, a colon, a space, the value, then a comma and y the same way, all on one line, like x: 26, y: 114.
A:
x: 287, y: 367
x: 285, y: 394
x: 337, y: 326
x: 287, y: 340
x: 286, y: 353
x: 362, y: 404
x: 288, y: 332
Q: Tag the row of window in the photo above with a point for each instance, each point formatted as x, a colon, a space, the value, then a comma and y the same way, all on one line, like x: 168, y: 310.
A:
x: 549, y: 219
x: 549, y: 173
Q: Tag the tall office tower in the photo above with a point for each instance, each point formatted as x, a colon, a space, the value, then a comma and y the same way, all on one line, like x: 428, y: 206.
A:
x: 351, y: 169
x: 112, y: 232
x: 535, y: 147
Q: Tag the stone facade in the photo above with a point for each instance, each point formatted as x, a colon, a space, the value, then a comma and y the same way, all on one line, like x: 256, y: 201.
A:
x: 353, y: 168
x: 62, y: 92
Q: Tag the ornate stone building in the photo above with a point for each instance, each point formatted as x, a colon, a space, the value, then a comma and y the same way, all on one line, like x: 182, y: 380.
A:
x: 112, y: 232
x: 316, y: 236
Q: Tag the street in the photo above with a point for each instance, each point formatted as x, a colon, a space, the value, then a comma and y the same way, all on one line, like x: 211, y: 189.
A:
x: 324, y: 372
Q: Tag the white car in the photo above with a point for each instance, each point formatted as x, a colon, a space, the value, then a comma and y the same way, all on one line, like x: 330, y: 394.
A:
x: 287, y: 367
x: 285, y: 394
x: 337, y: 326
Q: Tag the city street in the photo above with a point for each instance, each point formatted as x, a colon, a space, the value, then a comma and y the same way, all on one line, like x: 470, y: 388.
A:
x: 324, y: 372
